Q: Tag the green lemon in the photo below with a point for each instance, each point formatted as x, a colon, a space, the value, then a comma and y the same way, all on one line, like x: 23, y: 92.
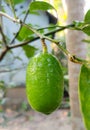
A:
x: 44, y: 83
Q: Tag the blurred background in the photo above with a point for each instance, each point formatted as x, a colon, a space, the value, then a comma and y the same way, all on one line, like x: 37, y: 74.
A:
x: 15, y: 112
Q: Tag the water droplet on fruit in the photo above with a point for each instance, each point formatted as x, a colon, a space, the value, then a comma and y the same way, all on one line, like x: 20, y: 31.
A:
x: 49, y: 64
x: 51, y: 70
x: 39, y: 64
x: 31, y: 70
x: 48, y: 60
x: 48, y: 80
x: 47, y: 75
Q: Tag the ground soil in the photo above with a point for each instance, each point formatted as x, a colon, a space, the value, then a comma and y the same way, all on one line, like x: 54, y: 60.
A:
x: 31, y: 120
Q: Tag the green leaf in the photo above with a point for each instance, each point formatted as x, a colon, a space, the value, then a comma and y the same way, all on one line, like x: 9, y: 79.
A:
x: 18, y: 1
x: 86, y: 29
x: 29, y: 50
x: 14, y: 1
x: 40, y: 5
x: 87, y: 17
x: 78, y: 25
x: 84, y: 94
x: 25, y: 34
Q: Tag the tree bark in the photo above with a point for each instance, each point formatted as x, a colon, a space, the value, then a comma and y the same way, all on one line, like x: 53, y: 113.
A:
x: 75, y: 11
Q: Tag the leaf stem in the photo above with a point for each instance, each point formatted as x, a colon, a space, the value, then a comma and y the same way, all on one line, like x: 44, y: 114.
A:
x: 70, y: 56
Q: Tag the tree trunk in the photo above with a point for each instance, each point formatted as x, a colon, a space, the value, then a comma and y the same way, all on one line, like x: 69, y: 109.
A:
x: 75, y: 11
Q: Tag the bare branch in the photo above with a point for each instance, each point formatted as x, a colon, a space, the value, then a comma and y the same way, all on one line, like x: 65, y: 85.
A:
x: 3, y: 53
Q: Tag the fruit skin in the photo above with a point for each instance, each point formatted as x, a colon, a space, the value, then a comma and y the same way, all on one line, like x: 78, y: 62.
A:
x: 44, y: 83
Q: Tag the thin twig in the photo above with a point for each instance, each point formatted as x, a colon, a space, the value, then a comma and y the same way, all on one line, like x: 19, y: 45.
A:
x: 9, y: 17
x: 58, y: 27
x: 20, y: 27
x: 21, y: 44
x: 11, y: 2
x: 3, y: 53
x: 3, y: 36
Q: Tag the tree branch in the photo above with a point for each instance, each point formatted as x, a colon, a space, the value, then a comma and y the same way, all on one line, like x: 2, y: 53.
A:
x: 3, y: 53
x: 59, y: 28
x: 3, y: 36
x: 9, y: 17
x: 71, y: 57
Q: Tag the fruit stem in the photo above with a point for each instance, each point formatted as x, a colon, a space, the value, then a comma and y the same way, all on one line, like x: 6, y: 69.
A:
x: 44, y: 45
x: 70, y: 56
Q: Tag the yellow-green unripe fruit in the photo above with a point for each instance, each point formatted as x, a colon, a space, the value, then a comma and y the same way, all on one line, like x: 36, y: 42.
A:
x: 44, y: 83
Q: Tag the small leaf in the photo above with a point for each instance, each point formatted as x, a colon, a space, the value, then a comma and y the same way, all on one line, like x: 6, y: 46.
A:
x: 29, y: 50
x: 14, y: 1
x: 25, y: 34
x: 87, y: 17
x: 84, y: 94
x: 40, y: 5
x: 35, y: 12
x: 78, y: 25
x: 18, y: 1
x: 86, y: 29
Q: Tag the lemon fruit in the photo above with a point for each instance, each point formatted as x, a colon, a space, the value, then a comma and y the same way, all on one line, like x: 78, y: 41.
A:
x: 44, y: 83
